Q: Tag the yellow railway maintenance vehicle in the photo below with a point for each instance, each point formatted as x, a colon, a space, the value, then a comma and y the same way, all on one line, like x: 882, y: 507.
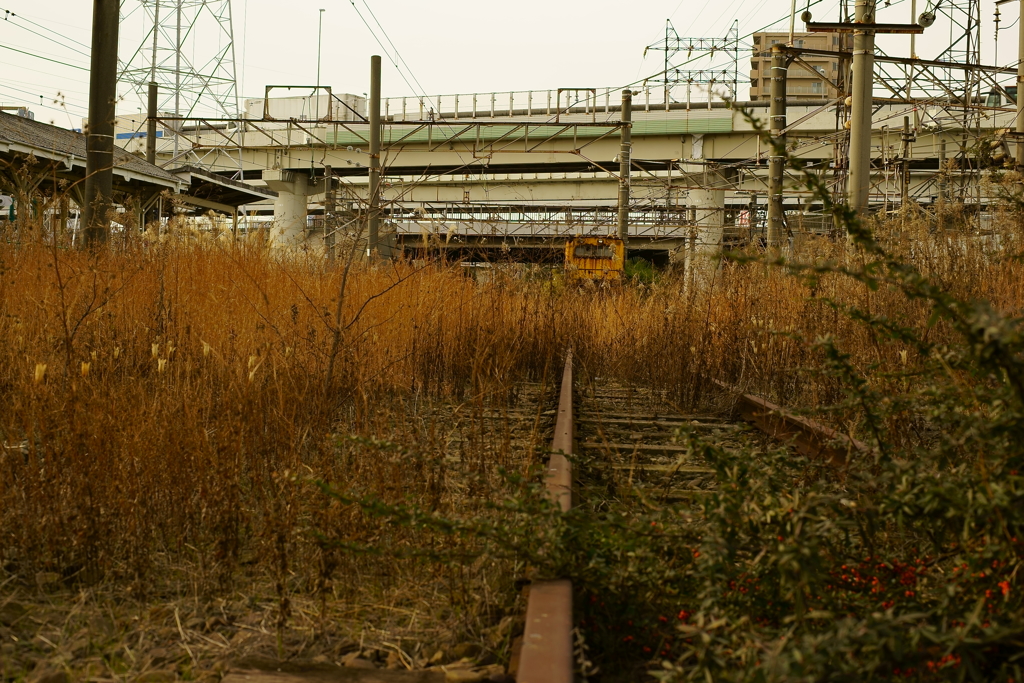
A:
x: 601, y: 259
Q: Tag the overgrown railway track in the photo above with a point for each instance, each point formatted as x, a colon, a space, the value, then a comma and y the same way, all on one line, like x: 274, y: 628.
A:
x: 626, y: 443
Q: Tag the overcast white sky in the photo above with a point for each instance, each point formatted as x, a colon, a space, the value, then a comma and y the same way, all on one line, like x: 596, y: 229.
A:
x: 452, y: 46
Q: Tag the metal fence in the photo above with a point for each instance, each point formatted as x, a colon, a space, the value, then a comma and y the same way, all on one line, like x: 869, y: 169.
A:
x: 594, y: 102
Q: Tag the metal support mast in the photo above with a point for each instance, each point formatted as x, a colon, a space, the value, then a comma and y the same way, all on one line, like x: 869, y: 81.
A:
x: 906, y: 151
x: 625, y: 153
x: 1020, y: 85
x: 777, y: 161
x: 374, y: 212
x: 673, y: 44
x: 1020, y: 92
x: 860, y: 115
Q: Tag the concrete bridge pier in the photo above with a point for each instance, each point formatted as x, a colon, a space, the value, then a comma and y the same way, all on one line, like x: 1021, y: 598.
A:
x: 697, y: 255
x: 709, y: 218
x: 293, y: 192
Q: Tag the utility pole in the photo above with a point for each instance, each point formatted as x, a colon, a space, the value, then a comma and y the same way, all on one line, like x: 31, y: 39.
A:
x: 777, y: 160
x: 330, y: 207
x: 906, y: 138
x: 625, y: 151
x: 860, y: 114
x: 151, y: 123
x: 99, y: 160
x: 374, y: 213
x: 1020, y: 91
x: 152, y: 104
x: 864, y: 29
x: 943, y: 172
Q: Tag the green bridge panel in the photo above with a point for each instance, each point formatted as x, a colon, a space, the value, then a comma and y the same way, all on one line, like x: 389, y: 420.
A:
x: 441, y: 132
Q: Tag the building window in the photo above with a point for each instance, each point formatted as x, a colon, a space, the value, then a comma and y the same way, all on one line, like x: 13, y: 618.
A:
x: 593, y: 251
x: 816, y: 87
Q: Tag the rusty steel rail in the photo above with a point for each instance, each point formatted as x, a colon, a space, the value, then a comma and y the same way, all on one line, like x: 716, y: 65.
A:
x: 546, y: 655
x: 809, y: 437
x: 547, y: 646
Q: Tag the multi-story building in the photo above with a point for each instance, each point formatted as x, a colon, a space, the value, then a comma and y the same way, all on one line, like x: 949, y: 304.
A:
x: 801, y: 83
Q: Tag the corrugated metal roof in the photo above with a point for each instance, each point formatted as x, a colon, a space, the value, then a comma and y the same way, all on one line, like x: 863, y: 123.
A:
x: 58, y: 143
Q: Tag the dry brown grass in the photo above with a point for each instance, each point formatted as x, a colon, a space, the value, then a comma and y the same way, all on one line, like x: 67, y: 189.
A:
x: 163, y: 412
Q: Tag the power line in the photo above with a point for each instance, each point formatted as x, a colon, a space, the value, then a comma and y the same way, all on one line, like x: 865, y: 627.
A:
x: 62, y: 42
x: 397, y: 54
x: 382, y: 47
x: 45, y: 59
x: 10, y: 14
x: 41, y: 98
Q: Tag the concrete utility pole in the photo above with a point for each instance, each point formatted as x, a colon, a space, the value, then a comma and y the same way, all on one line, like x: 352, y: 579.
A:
x: 942, y: 172
x: 625, y: 151
x: 777, y: 161
x: 864, y: 29
x: 330, y: 208
x: 906, y: 138
x: 99, y: 160
x: 1020, y: 91
x: 860, y: 114
x: 151, y: 123
x: 374, y: 213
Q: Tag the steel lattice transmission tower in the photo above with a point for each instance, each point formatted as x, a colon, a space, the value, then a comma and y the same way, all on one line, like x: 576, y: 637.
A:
x: 187, y: 48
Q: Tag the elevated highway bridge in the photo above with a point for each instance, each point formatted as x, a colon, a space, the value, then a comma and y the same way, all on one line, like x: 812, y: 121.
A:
x: 460, y: 170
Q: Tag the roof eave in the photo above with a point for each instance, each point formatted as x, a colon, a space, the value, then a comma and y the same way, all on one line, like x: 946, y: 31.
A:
x: 71, y: 160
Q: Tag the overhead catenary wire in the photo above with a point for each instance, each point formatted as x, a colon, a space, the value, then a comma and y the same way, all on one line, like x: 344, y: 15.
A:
x: 62, y: 43
x: 8, y: 15
x: 45, y: 59
x: 382, y: 46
